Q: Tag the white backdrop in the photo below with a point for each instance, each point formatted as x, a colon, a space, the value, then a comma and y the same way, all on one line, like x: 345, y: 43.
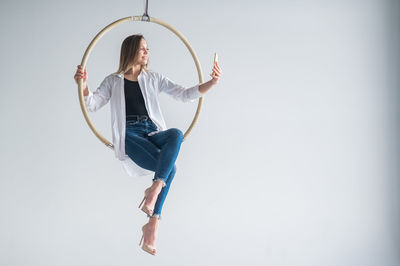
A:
x: 293, y: 161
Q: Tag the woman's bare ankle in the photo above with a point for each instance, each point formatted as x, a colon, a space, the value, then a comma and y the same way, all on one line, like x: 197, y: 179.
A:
x: 159, y: 183
x: 153, y: 221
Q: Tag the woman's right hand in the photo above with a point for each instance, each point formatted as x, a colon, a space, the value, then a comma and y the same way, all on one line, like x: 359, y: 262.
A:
x: 82, y: 74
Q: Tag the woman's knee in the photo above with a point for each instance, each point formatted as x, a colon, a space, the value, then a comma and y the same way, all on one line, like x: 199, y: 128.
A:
x: 176, y: 134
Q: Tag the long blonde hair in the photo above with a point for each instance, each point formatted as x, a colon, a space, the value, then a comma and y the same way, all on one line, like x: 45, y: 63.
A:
x: 129, y: 48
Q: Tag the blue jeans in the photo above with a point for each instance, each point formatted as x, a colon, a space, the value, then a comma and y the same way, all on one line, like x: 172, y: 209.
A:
x: 156, y: 153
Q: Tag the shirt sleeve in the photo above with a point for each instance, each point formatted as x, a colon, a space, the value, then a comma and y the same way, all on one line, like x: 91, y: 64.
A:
x: 96, y: 100
x: 177, y: 91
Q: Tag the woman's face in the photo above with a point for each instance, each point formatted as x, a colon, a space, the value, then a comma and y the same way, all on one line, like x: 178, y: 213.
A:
x: 142, y: 54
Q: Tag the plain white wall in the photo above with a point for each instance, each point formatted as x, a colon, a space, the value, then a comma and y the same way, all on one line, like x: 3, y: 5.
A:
x: 293, y: 161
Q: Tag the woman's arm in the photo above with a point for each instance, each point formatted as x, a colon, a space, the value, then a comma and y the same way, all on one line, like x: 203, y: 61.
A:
x: 93, y: 100
x: 188, y: 94
x: 86, y: 91
x: 97, y: 99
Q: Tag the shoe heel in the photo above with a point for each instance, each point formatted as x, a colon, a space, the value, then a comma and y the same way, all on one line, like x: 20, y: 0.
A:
x: 145, y: 247
x: 142, y: 202
x: 143, y: 207
x: 141, y: 240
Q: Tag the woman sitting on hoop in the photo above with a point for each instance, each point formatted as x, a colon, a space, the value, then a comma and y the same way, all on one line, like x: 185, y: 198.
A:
x: 141, y: 139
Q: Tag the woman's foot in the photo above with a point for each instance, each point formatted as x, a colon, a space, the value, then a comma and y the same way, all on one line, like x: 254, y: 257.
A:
x: 149, y: 231
x: 150, y: 197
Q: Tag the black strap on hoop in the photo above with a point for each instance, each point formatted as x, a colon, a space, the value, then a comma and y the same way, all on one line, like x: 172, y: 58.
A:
x: 145, y: 16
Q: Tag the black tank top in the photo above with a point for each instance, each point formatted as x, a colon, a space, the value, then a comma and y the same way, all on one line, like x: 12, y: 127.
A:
x: 134, y: 102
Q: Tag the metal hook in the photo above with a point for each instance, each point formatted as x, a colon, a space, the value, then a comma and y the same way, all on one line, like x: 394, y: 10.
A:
x: 145, y: 16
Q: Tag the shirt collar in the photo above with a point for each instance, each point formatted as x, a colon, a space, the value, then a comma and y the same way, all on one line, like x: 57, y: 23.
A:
x: 121, y: 75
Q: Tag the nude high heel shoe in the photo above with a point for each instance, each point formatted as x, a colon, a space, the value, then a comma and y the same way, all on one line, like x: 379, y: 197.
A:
x: 146, y: 209
x: 149, y: 249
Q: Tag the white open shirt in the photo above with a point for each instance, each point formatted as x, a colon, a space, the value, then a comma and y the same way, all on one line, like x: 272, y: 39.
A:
x: 151, y: 84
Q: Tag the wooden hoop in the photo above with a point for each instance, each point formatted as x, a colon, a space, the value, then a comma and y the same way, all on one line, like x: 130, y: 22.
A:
x: 96, y: 39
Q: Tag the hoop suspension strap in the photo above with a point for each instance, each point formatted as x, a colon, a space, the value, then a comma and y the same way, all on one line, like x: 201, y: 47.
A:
x: 146, y: 16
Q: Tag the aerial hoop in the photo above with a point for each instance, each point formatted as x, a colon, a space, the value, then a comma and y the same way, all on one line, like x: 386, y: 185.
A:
x: 146, y: 18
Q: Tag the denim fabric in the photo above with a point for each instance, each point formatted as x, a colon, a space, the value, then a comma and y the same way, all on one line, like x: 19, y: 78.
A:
x: 156, y: 153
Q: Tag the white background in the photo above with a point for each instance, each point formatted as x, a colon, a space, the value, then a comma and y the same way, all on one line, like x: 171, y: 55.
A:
x: 293, y: 161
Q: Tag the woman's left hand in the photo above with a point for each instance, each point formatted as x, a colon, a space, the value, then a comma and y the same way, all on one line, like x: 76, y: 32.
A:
x: 216, y: 74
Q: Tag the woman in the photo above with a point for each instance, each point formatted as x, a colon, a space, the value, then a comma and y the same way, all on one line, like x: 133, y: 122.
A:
x: 140, y: 137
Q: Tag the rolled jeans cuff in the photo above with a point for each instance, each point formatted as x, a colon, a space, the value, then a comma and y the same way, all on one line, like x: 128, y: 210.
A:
x: 155, y: 215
